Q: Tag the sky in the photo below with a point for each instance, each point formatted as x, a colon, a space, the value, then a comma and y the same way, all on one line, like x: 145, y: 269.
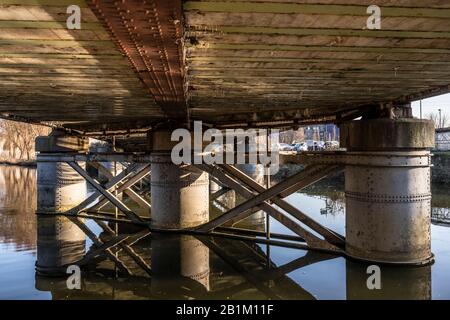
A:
x: 432, y: 105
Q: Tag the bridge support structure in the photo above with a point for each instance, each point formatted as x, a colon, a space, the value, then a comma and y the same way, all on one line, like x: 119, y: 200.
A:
x: 388, y: 193
x: 387, y: 168
x: 59, y: 187
x: 180, y: 192
x: 59, y: 242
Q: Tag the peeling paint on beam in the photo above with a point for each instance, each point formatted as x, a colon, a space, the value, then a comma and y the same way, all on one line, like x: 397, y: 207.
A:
x: 109, y: 55
x: 155, y: 55
x: 244, y: 46
x: 26, y: 24
x: 287, y: 8
x: 59, y: 43
x: 40, y: 3
x: 321, y: 32
x: 206, y: 59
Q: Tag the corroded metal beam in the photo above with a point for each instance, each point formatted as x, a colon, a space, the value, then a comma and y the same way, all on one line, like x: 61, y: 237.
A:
x: 149, y: 33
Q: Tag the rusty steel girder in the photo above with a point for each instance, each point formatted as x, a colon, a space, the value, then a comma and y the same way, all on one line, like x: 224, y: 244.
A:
x: 150, y: 34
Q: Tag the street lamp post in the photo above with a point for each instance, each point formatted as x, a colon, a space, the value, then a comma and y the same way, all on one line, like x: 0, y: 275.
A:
x: 420, y: 109
x: 440, y: 122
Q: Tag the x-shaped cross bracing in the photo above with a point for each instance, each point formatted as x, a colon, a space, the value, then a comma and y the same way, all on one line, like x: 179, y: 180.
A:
x: 121, y: 183
x: 258, y: 196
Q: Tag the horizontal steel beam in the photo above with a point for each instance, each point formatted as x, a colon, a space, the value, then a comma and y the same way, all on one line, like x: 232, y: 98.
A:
x: 376, y: 159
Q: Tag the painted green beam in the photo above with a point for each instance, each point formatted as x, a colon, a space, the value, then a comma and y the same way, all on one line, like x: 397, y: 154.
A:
x: 320, y: 32
x: 27, y: 24
x: 276, y: 47
x: 57, y: 55
x: 52, y: 3
x: 273, y: 60
x: 59, y: 43
x: 286, y: 8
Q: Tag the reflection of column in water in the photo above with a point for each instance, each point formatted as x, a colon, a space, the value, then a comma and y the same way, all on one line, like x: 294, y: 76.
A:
x: 397, y: 283
x: 194, y: 260
x: 179, y: 261
x: 59, y: 243
x: 257, y: 219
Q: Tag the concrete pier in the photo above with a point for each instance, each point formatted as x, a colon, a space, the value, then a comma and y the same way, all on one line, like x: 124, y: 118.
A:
x: 113, y: 168
x: 388, y: 199
x: 256, y: 172
x: 179, y: 193
x: 60, y: 188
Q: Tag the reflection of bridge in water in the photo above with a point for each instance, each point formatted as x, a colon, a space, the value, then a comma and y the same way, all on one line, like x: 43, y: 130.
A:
x: 17, y: 200
x: 138, y: 264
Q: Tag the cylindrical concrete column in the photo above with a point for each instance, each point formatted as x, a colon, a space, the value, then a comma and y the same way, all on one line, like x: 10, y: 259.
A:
x: 60, y: 188
x: 388, y: 194
x: 59, y: 243
x: 113, y: 168
x: 179, y: 193
x: 256, y: 172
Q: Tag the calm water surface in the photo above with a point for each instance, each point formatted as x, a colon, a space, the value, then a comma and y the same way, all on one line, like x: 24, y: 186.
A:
x: 144, y: 266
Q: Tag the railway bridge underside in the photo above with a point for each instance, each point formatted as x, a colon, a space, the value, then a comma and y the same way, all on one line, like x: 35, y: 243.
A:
x: 137, y: 70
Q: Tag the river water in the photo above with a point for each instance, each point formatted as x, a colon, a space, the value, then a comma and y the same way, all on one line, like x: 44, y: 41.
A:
x: 163, y: 266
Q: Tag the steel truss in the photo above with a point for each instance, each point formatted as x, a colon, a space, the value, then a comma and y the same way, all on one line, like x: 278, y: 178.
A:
x: 309, y: 233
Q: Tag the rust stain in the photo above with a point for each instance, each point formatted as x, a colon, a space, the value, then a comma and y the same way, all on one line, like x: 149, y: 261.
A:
x: 150, y: 34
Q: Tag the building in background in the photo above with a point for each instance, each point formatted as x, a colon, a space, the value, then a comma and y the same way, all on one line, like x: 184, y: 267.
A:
x: 325, y: 132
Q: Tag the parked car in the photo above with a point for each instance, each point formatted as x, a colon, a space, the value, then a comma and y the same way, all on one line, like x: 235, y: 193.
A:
x: 311, y: 144
x: 300, y: 147
x: 332, y: 145
x: 315, y: 145
x: 285, y: 147
x: 320, y: 145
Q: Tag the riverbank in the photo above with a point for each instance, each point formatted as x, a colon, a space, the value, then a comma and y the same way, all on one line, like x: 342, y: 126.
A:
x: 440, y: 172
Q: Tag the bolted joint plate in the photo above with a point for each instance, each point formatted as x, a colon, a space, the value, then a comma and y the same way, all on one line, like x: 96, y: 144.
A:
x: 387, y: 134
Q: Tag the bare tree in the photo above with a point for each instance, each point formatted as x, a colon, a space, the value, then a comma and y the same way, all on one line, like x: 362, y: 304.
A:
x: 291, y: 136
x: 445, y: 120
x: 440, y: 121
x: 18, y: 138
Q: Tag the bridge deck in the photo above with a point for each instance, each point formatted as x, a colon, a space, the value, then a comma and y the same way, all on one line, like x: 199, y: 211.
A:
x: 268, y: 62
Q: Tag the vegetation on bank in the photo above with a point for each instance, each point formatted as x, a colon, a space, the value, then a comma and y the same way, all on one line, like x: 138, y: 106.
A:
x: 17, y: 142
x: 443, y: 154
